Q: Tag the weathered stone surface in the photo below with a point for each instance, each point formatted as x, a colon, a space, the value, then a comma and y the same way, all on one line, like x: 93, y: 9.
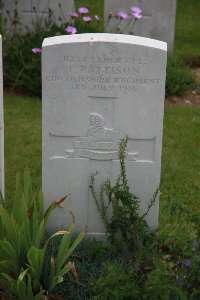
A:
x: 98, y: 88
x: 158, y: 20
x: 1, y: 125
x: 30, y: 12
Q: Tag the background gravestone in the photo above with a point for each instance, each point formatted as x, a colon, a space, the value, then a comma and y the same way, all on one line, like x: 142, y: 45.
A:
x: 35, y: 11
x: 98, y: 88
x: 1, y: 125
x: 158, y: 20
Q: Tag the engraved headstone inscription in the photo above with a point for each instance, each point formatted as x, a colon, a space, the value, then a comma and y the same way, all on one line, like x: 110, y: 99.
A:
x: 158, y: 18
x: 1, y: 124
x: 97, y: 89
x: 30, y: 12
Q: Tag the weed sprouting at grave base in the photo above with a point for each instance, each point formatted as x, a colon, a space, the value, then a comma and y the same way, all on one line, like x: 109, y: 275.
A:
x: 126, y: 226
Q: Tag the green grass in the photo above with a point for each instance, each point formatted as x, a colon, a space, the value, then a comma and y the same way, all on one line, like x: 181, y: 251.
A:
x: 22, y: 140
x: 180, y: 164
x: 180, y: 159
x: 187, y: 34
x: 95, y: 6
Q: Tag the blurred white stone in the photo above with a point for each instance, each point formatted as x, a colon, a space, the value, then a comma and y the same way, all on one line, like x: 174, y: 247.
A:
x: 158, y: 21
x: 32, y: 12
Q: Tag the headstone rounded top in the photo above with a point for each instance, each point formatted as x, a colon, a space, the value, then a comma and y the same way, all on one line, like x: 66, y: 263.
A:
x: 105, y: 37
x: 98, y: 89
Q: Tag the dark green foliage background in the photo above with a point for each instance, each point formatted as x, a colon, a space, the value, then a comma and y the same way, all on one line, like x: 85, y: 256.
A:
x: 179, y: 77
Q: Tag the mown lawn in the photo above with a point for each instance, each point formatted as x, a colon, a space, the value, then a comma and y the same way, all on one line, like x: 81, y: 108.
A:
x: 187, y: 34
x: 180, y: 178
x: 22, y: 118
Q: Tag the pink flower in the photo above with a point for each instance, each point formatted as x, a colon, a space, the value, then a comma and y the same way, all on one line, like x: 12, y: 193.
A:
x: 122, y: 15
x: 87, y: 19
x: 36, y: 51
x: 97, y: 18
x: 135, y: 9
x: 73, y: 15
x: 71, y: 29
x: 137, y: 16
x: 136, y: 12
x: 83, y: 10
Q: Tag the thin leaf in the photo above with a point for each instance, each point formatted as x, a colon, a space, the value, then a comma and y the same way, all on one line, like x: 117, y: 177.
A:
x: 36, y: 260
x: 21, y: 290
x: 30, y: 293
x: 22, y: 275
x: 62, y: 251
x: 65, y: 269
x: 60, y: 232
x: 75, y: 244
x: 7, y: 250
x: 40, y: 233
x: 55, y: 281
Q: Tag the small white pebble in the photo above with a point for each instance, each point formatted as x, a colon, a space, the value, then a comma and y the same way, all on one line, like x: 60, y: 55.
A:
x: 187, y: 101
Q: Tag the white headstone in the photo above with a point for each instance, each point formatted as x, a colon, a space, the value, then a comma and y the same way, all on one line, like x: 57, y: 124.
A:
x: 98, y: 88
x: 30, y: 12
x: 1, y: 124
x: 158, y: 20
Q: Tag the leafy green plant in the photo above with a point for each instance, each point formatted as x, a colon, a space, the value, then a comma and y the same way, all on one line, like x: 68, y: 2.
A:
x: 88, y: 257
x: 22, y: 66
x: 177, y: 273
x: 179, y: 77
x: 174, y: 277
x: 22, y: 287
x: 22, y: 244
x: 126, y: 224
x: 161, y: 281
x: 116, y: 281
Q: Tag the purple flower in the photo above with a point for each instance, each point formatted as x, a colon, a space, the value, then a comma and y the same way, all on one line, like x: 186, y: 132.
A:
x: 97, y: 18
x: 73, y: 15
x: 177, y: 264
x: 137, y: 16
x: 136, y: 12
x: 36, y: 50
x: 187, y: 264
x: 87, y: 19
x: 71, y: 29
x: 122, y: 15
x: 135, y: 9
x: 83, y: 10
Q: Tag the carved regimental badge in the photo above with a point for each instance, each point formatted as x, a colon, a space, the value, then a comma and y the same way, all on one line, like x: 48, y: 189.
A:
x: 100, y: 143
